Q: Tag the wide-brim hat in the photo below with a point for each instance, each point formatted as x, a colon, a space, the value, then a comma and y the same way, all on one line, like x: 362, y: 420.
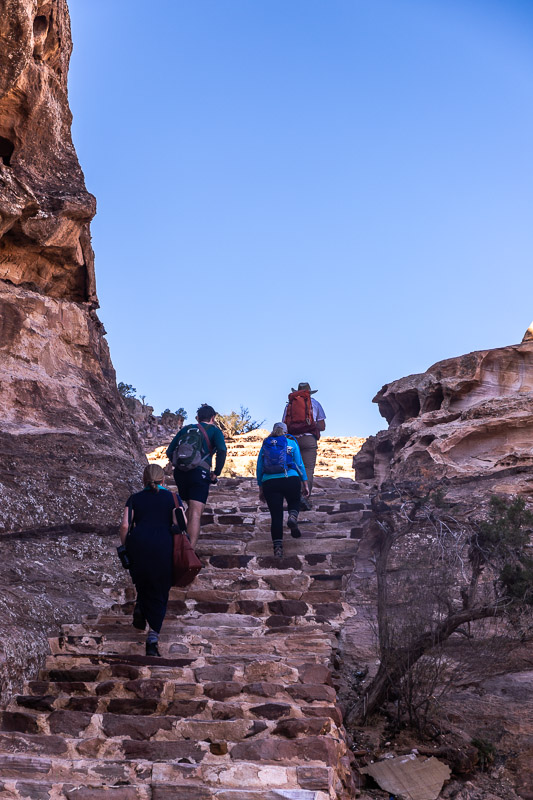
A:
x: 305, y: 387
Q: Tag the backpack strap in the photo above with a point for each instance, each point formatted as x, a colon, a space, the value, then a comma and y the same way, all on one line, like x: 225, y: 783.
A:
x: 130, y: 516
x: 296, y: 467
x: 206, y: 437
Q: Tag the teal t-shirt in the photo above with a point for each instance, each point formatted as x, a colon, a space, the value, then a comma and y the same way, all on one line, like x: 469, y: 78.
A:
x: 216, y: 440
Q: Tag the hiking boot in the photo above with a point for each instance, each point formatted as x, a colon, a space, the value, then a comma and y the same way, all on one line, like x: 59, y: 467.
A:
x: 152, y: 649
x: 138, y: 621
x: 305, y: 504
x: 292, y: 524
x: 278, y: 549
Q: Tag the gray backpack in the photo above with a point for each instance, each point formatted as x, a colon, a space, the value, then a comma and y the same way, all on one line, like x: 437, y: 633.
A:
x: 188, y: 452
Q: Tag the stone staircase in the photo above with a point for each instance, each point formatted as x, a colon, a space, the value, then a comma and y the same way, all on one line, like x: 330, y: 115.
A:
x: 242, y: 705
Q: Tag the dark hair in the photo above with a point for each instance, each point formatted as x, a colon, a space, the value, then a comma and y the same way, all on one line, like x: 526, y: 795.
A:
x: 205, y: 412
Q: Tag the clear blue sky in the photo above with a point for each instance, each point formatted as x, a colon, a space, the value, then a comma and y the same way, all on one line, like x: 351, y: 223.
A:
x: 333, y: 191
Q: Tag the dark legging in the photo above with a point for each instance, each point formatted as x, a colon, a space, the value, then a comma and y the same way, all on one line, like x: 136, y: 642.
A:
x: 275, y: 491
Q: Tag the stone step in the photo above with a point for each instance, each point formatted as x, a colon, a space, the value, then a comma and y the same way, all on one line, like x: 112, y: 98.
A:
x: 241, y: 705
x: 38, y: 790
x: 306, y: 642
x: 309, y: 543
x: 53, y: 757
x: 195, y: 631
x: 59, y: 767
x: 288, y: 577
x: 158, y: 682
x: 213, y: 699
x: 301, y: 547
x: 145, y: 666
x: 200, y: 708
x: 257, y: 778
x: 109, y: 736
x: 260, y: 781
x: 293, y: 558
x: 183, y: 612
x: 42, y: 790
x: 248, y: 525
x: 204, y: 600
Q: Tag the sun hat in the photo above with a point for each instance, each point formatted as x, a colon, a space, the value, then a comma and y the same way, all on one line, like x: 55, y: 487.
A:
x: 279, y: 426
x: 305, y: 387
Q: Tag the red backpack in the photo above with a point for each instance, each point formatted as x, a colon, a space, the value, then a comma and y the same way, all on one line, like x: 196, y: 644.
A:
x: 299, y: 416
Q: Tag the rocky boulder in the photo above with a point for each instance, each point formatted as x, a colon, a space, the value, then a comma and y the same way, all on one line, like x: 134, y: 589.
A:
x: 470, y: 416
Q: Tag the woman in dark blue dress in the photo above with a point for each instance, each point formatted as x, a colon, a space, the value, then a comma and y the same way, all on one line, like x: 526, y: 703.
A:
x: 149, y: 546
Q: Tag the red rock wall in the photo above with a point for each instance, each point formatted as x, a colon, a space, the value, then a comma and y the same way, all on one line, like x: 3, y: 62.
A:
x: 68, y: 444
x: 69, y: 455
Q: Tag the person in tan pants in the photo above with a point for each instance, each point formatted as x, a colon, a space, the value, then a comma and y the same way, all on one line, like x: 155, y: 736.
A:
x: 308, y: 442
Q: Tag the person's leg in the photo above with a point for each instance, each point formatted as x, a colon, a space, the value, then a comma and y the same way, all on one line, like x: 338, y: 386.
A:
x: 152, y: 601
x: 152, y: 642
x: 195, y: 485
x: 292, y: 493
x: 195, y: 509
x: 139, y: 621
x: 274, y: 499
x: 308, y: 448
x: 182, y: 484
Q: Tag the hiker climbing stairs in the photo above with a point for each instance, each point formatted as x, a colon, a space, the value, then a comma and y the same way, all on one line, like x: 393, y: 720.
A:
x: 242, y: 703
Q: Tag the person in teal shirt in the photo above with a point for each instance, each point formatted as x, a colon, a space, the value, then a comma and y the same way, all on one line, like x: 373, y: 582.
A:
x: 281, y: 476
x: 193, y: 485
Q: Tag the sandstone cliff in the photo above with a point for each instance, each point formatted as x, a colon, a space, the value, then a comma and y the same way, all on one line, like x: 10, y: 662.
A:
x: 69, y: 453
x: 469, y: 417
x: 67, y: 443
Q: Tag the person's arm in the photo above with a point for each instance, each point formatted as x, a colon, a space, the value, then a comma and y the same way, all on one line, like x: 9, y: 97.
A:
x: 221, y: 451
x: 300, y: 466
x: 124, y: 525
x: 259, y: 474
x: 284, y: 417
x: 172, y: 445
x: 320, y: 418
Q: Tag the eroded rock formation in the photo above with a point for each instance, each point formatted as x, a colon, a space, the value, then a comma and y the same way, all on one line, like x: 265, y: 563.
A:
x: 465, y: 417
x: 69, y: 453
x: 44, y: 205
x: 67, y: 444
x: 458, y: 433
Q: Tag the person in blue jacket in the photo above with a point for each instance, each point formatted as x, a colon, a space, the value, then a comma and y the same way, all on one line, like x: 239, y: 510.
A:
x: 281, y: 476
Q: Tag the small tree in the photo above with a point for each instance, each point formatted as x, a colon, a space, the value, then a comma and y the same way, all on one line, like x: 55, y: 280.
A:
x: 437, y: 576
x: 126, y: 389
x: 237, y: 422
x: 181, y: 413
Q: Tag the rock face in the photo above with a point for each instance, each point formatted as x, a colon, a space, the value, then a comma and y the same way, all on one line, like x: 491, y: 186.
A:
x: 61, y: 414
x: 44, y: 204
x: 69, y: 453
x: 464, y: 427
x: 466, y: 417
x: 153, y: 431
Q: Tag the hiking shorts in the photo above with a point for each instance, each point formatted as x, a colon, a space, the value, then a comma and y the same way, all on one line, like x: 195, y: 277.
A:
x: 194, y: 484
